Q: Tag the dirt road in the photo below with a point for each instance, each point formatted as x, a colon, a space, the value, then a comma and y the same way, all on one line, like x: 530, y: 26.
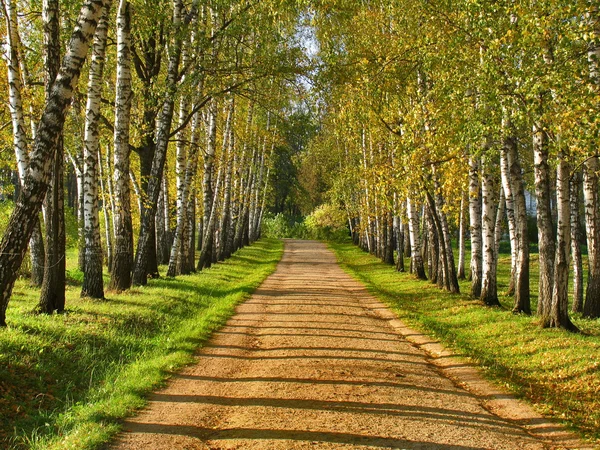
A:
x: 312, y: 361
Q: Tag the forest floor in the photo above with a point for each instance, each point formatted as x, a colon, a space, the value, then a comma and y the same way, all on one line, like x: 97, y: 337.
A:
x: 313, y: 360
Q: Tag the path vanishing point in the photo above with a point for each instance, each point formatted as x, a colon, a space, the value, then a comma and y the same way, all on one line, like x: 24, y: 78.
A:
x: 312, y: 360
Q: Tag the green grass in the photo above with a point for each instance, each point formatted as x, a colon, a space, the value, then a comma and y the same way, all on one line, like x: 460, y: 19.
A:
x: 67, y: 380
x: 557, y: 371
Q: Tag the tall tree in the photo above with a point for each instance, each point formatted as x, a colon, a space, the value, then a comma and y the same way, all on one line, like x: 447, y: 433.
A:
x: 52, y: 295
x: 122, y: 264
x: 93, y: 284
x: 20, y: 138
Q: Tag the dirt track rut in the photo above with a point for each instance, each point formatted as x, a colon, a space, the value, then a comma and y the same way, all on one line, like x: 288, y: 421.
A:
x: 310, y: 361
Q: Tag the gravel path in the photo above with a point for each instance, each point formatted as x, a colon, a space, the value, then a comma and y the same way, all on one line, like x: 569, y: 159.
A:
x: 312, y: 361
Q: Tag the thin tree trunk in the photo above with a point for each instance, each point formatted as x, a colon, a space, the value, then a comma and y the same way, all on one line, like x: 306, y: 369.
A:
x: 23, y: 219
x: 178, y: 261
x: 546, y: 245
x: 93, y: 284
x: 36, y: 243
x: 123, y: 231
x: 417, y: 266
x: 558, y: 314
x: 207, y: 183
x: 489, y: 289
x: 225, y: 221
x: 433, y: 251
x: 462, y: 231
x: 475, y: 221
x: 522, y: 300
x: 500, y: 213
x: 107, y: 214
x: 577, y: 259
x: 448, y: 254
x: 591, y: 307
x: 507, y: 184
x: 52, y: 295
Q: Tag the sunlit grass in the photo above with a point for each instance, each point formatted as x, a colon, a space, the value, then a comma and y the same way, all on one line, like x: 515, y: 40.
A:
x: 558, y: 371
x: 66, y: 380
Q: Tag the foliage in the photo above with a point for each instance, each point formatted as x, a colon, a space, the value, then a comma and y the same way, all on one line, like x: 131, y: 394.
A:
x: 281, y: 226
x: 556, y: 371
x: 327, y: 222
x: 66, y: 380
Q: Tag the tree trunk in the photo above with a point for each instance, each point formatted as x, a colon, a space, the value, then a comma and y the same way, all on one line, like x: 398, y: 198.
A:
x: 15, y: 103
x: 207, y: 183
x: 522, y: 302
x: 462, y: 231
x: 52, y: 295
x: 545, y: 226
x: 433, y: 251
x: 475, y: 221
x: 558, y: 313
x: 93, y: 284
x: 123, y: 232
x: 225, y: 221
x: 450, y: 268
x: 179, y: 259
x: 177, y: 251
x: 417, y: 266
x: 591, y: 308
x: 509, y: 140
x: 575, y: 205
x: 23, y: 219
x: 498, y: 223
x: 489, y: 289
x: 107, y: 214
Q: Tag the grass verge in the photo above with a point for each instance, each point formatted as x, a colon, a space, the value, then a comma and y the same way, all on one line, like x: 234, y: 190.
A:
x: 66, y: 380
x: 557, y: 371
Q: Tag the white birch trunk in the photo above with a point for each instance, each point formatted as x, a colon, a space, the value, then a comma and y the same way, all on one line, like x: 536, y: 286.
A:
x: 15, y: 106
x: 489, y: 292
x: 475, y: 225
x: 558, y: 314
x: 417, y: 266
x: 123, y: 231
x: 93, y: 285
x: 577, y: 259
x: 591, y: 307
x: 462, y: 225
x: 510, y: 204
x: 545, y: 226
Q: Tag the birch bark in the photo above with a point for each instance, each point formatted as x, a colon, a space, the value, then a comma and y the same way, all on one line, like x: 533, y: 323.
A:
x: 577, y: 259
x: 93, y: 284
x: 557, y: 316
x: 489, y: 290
x: 15, y: 104
x: 475, y: 225
x: 546, y: 243
x: 52, y: 294
x: 122, y: 225
x: 417, y: 266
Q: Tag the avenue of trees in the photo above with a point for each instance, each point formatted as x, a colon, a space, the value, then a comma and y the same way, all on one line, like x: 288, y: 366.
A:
x: 439, y: 116
x: 164, y: 114
x: 431, y: 116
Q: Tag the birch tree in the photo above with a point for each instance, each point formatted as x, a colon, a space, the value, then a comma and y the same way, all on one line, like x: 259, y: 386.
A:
x: 20, y: 144
x: 52, y: 295
x: 122, y: 263
x: 93, y: 284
